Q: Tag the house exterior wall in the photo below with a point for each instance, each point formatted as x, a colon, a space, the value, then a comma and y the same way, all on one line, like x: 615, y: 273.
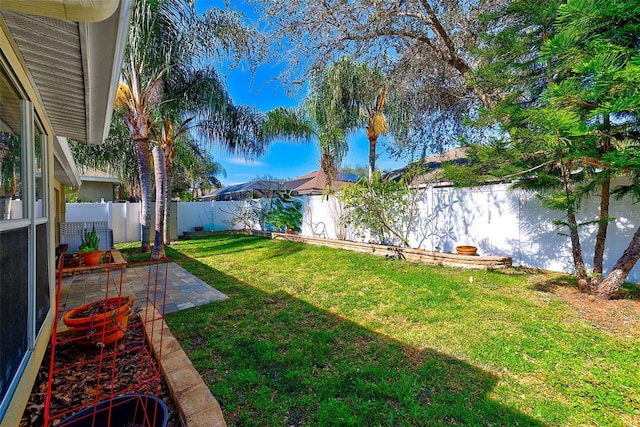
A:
x: 16, y: 399
x: 91, y: 191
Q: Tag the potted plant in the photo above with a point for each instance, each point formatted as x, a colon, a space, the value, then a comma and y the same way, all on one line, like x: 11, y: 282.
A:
x: 100, y: 322
x: 89, y: 249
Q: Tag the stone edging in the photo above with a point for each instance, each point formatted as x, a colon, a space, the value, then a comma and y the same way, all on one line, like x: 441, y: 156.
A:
x: 193, y: 399
x: 419, y: 255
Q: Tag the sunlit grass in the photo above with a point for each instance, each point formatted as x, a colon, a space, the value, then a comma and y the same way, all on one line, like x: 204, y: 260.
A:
x: 319, y: 336
x: 133, y: 254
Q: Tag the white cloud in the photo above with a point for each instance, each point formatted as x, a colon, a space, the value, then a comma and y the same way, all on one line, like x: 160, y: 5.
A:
x: 243, y: 161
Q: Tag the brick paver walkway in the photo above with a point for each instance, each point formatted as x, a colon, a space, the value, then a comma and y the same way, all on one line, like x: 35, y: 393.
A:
x: 143, y: 284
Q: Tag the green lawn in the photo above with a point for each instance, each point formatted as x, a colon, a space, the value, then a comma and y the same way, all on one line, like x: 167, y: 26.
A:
x: 319, y: 336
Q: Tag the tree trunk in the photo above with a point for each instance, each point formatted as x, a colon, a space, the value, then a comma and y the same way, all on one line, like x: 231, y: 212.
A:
x: 167, y: 210
x: 605, y: 195
x: 601, y: 236
x: 372, y: 156
x: 144, y: 167
x: 576, y: 250
x: 161, y: 190
x: 576, y: 247
x: 169, y: 156
x: 167, y: 213
x: 621, y: 269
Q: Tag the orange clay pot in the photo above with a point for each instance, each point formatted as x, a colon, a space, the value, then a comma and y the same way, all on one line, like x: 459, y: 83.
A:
x: 91, y: 258
x: 100, y: 322
x: 467, y: 250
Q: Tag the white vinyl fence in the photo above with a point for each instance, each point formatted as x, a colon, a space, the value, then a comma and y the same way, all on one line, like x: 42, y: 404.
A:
x: 495, y: 219
x: 114, y: 222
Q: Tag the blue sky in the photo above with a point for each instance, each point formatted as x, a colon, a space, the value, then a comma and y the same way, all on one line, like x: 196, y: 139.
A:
x: 261, y: 91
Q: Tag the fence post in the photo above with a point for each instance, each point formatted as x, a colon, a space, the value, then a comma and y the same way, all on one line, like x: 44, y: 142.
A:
x: 110, y: 214
x: 126, y: 221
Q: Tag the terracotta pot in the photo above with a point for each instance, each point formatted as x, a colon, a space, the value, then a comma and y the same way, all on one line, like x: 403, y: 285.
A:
x: 198, y: 228
x: 91, y: 258
x: 100, y: 322
x: 466, y: 250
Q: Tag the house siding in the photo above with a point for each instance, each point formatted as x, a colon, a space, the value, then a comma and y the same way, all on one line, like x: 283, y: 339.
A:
x: 19, y: 396
x: 95, y: 192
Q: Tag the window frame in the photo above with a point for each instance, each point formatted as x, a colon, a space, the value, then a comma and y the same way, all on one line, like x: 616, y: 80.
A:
x: 29, y: 124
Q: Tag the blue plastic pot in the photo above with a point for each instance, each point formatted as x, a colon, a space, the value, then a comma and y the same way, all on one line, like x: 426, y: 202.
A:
x: 131, y: 409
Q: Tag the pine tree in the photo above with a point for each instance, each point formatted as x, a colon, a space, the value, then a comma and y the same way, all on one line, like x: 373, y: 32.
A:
x: 567, y: 75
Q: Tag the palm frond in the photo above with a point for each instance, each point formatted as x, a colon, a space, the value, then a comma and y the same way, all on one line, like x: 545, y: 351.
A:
x: 291, y: 124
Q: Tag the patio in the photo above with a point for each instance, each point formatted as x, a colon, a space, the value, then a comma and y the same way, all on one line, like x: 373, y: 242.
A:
x: 155, y: 289
x: 183, y: 290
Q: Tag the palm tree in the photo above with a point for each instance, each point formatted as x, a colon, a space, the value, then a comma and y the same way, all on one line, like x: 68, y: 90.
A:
x: 169, y: 143
x: 376, y: 126
x: 167, y: 73
x: 346, y: 96
x: 115, y: 155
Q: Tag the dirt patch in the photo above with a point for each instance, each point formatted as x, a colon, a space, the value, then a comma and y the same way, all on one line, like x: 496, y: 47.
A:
x: 83, y: 374
x: 619, y: 317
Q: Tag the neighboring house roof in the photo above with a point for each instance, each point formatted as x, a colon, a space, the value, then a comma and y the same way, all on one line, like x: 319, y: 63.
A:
x: 75, y: 65
x: 316, y: 182
x: 259, y: 188
x: 311, y: 183
x: 96, y: 175
x: 432, y: 166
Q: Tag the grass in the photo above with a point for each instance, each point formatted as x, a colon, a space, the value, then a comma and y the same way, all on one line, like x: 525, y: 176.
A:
x: 131, y: 252
x: 319, y: 336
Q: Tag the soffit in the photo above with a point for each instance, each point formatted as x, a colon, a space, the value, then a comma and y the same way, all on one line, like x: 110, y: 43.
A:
x: 52, y: 53
x: 74, y: 68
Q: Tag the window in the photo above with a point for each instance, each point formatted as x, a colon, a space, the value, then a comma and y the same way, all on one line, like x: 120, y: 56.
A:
x: 14, y: 328
x: 10, y: 152
x: 25, y: 290
x: 43, y: 297
x: 40, y: 173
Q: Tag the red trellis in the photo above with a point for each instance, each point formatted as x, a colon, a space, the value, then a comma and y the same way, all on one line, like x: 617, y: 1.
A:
x: 127, y: 367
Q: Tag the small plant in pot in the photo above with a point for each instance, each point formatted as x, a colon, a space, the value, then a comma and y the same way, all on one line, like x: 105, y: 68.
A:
x: 89, y: 249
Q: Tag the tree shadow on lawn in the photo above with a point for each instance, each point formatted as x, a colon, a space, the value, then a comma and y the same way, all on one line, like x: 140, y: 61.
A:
x: 272, y: 359
x: 284, y: 249
x: 233, y: 243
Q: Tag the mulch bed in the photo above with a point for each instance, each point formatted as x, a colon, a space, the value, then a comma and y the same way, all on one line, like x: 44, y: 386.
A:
x: 83, y: 375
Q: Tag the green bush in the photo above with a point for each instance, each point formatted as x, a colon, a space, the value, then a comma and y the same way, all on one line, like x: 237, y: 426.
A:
x: 285, y: 213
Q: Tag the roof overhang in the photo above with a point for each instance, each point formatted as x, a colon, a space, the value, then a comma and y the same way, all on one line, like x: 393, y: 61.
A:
x: 65, y: 169
x: 73, y: 52
x: 67, y: 10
